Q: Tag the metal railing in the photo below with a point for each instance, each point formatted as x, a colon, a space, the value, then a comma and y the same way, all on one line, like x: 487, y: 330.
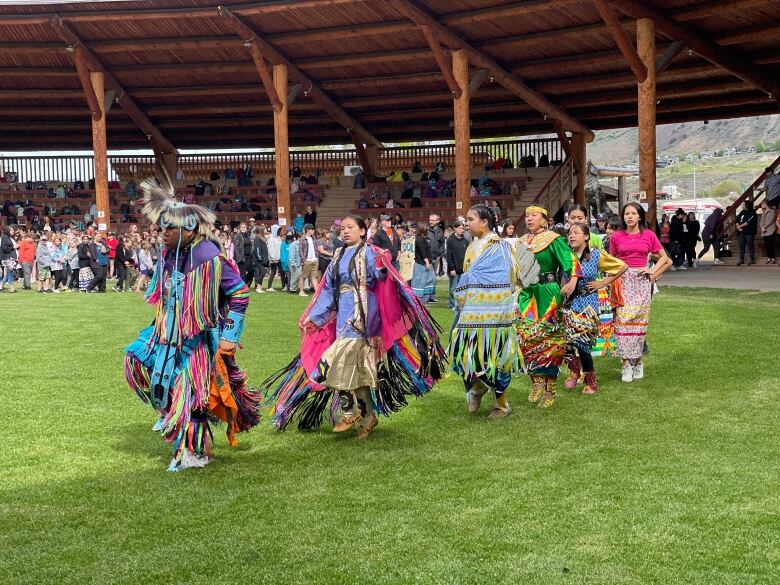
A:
x: 728, y: 221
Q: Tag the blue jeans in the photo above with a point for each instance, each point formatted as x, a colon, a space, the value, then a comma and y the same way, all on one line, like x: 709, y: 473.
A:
x: 746, y: 241
x: 453, y: 284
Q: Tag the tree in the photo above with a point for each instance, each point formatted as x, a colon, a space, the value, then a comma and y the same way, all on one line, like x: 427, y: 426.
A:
x: 760, y: 147
x: 724, y: 188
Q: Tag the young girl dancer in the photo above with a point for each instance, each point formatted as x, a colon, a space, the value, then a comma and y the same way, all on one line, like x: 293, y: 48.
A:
x: 483, y: 343
x: 584, y: 308
x: 542, y: 338
x: 368, y: 343
x: 633, y: 244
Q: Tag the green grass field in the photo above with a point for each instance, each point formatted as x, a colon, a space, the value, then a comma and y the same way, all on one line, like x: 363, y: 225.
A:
x: 673, y: 479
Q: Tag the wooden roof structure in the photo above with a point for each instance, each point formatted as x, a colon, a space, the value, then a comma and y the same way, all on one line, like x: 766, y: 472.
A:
x: 189, y: 73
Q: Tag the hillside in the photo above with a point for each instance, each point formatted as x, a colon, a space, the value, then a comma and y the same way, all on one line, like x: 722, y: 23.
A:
x: 616, y: 147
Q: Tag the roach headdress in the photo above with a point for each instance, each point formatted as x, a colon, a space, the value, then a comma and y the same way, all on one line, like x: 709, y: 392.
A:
x: 160, y: 207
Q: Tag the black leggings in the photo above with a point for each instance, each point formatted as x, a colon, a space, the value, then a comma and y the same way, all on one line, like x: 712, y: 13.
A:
x: 769, y: 244
x: 121, y: 273
x: 59, y: 278
x: 74, y: 279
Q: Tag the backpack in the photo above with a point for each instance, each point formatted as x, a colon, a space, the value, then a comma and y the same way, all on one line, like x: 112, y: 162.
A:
x: 78, y: 185
x: 214, y: 176
x: 28, y: 185
x: 544, y: 161
x: 230, y: 174
x: 440, y: 167
x: 417, y: 167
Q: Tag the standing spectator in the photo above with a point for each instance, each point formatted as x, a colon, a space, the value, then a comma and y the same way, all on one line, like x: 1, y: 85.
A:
x: 309, y: 257
x: 710, y: 235
x: 691, y: 239
x: 85, y: 272
x: 7, y: 261
x: 121, y: 263
x: 43, y: 262
x: 772, y: 186
x: 747, y: 227
x: 112, y: 242
x: 436, y: 237
x: 242, y: 253
x: 424, y: 275
x: 324, y: 249
x: 310, y: 217
x: 387, y: 239
x: 27, y: 259
x: 298, y: 223
x: 274, y: 254
x: 284, y: 257
x: 295, y: 263
x: 58, y: 264
x: 676, y: 240
x: 72, y: 258
x: 456, y: 253
x: 145, y: 266
x: 261, y: 258
x: 769, y: 228
x: 98, y: 253
x: 664, y: 231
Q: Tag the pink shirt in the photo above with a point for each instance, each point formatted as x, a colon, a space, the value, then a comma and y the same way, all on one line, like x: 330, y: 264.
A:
x: 634, y: 248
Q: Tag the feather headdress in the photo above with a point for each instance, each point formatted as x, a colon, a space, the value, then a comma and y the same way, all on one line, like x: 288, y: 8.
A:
x: 161, y: 208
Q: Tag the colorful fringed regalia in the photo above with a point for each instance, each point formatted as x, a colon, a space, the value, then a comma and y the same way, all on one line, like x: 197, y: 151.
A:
x: 539, y: 323
x: 583, y: 318
x: 368, y: 344
x: 176, y: 364
x: 483, y: 346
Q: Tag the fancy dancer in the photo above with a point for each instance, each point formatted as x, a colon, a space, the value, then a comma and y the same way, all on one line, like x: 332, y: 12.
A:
x: 368, y: 343
x: 183, y: 364
x: 539, y: 323
x: 583, y: 319
x: 484, y: 349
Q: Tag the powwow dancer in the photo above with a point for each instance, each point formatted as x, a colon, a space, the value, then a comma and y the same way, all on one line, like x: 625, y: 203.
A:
x: 539, y: 323
x: 183, y: 364
x: 633, y: 244
x: 368, y: 343
x: 484, y: 349
x: 581, y: 315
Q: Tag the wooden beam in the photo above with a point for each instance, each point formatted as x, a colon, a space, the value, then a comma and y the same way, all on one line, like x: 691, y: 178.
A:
x: 562, y: 137
x: 292, y: 95
x: 124, y: 100
x: 503, y: 11
x: 646, y: 102
x: 621, y: 39
x: 257, y: 55
x: 480, y: 59
x: 666, y: 58
x: 86, y: 83
x: 718, y: 7
x: 441, y: 61
x: 368, y: 58
x: 100, y: 150
x: 579, y: 152
x: 476, y: 81
x: 312, y: 89
x: 362, y: 155
x: 731, y: 61
x: 462, y: 127
x: 282, y: 149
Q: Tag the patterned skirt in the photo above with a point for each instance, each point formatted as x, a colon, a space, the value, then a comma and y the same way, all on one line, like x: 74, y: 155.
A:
x: 632, y: 318
x: 423, y: 281
x: 543, y: 345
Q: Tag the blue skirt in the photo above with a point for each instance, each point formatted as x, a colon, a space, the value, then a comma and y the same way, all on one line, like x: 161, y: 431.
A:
x: 423, y: 281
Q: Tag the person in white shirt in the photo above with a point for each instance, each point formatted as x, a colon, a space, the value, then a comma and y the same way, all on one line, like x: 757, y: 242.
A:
x: 309, y: 258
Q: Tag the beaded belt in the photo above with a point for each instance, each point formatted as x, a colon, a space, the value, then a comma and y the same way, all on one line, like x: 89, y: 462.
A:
x: 548, y: 277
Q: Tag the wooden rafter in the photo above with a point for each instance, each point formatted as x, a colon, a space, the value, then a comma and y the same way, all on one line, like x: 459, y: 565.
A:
x: 441, y: 61
x: 82, y: 68
x: 665, y: 59
x: 248, y: 35
x: 477, y: 80
x: 562, y: 137
x: 311, y: 89
x: 128, y: 104
x: 621, y: 39
x: 480, y: 59
x: 728, y: 60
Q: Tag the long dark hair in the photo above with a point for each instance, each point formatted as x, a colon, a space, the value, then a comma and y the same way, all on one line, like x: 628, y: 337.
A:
x: 352, y: 271
x: 583, y: 227
x: 578, y: 207
x: 486, y: 213
x: 505, y: 224
x: 639, y: 209
x: 422, y: 229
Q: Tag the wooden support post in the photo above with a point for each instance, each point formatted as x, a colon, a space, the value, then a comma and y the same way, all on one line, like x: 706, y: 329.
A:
x: 282, y: 148
x: 460, y: 70
x: 372, y: 155
x: 362, y: 156
x: 579, y: 152
x: 645, y: 40
x: 564, y: 140
x: 621, y: 192
x: 89, y: 92
x: 265, y: 77
x: 441, y: 61
x: 100, y: 150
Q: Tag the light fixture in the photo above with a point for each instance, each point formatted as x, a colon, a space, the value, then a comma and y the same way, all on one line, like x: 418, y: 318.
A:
x: 690, y: 52
x: 492, y: 79
x: 248, y: 42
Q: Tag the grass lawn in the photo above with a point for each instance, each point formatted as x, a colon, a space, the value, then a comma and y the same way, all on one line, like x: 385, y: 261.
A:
x: 673, y: 479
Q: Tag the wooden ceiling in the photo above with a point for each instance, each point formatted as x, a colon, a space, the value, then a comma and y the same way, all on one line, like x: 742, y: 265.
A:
x: 367, y: 66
